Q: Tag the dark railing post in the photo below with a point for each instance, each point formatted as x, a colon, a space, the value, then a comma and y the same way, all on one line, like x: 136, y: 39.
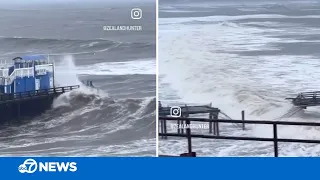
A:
x: 186, y: 115
x: 161, y: 128
x: 165, y: 128
x: 210, y: 117
x: 189, y: 136
x: 210, y: 123
x: 243, y: 124
x: 275, y: 139
x: 182, y: 125
x: 217, y: 129
x: 215, y: 124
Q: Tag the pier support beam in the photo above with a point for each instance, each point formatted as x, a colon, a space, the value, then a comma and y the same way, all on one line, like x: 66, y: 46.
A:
x: 16, y: 106
x: 165, y: 129
x: 210, y: 123
x: 242, y: 117
x: 178, y: 125
x: 19, y: 111
x: 161, y: 127
x: 215, y: 125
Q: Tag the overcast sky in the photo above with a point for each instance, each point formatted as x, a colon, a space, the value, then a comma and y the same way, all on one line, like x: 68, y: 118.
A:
x: 65, y: 1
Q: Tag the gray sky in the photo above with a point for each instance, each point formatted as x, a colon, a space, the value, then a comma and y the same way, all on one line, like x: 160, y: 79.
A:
x: 65, y: 1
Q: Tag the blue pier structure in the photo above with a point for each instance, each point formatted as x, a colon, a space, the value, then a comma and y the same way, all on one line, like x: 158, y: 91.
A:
x: 27, y: 87
x: 28, y: 73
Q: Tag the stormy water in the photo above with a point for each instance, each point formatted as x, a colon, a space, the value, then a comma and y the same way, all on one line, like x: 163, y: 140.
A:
x: 247, y: 55
x: 117, y: 118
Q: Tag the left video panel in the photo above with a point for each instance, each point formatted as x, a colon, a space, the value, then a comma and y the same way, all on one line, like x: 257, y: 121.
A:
x: 78, y: 78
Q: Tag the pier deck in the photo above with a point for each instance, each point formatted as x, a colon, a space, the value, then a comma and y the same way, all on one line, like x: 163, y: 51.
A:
x: 212, y: 112
x: 187, y: 110
x: 6, y: 98
x: 306, y: 99
x: 30, y: 103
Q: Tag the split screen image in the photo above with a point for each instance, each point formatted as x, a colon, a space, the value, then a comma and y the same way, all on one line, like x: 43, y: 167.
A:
x: 159, y: 78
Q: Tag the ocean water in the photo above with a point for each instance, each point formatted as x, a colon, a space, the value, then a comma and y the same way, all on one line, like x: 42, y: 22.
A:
x: 118, y: 119
x: 241, y: 56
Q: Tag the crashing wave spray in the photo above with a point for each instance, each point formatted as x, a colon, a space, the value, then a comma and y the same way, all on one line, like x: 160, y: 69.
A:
x: 66, y: 72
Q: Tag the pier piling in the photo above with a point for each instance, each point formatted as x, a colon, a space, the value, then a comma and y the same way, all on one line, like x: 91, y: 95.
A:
x: 243, y: 124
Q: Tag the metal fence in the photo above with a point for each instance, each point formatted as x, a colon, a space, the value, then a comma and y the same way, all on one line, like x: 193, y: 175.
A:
x: 275, y: 139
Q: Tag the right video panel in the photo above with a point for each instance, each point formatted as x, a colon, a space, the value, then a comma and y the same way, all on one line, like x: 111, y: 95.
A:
x: 239, y: 78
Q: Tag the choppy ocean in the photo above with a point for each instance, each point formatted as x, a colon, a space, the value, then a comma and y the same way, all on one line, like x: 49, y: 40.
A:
x: 117, y: 120
x: 241, y: 56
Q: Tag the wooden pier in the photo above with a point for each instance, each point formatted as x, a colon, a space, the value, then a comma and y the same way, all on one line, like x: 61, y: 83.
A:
x: 214, y: 121
x: 306, y: 99
x: 29, y: 104
x: 212, y: 113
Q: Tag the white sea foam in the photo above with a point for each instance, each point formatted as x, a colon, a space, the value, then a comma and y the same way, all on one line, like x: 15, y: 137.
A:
x: 144, y: 66
x: 200, y: 63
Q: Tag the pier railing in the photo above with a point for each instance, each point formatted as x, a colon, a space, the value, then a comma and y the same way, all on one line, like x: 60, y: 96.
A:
x: 30, y: 94
x: 306, y: 99
x: 189, y: 135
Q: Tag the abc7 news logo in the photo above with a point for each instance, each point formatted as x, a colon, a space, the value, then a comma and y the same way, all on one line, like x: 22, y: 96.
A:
x: 28, y: 166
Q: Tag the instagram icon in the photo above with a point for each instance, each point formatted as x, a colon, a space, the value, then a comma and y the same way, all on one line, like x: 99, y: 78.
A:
x: 136, y: 13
